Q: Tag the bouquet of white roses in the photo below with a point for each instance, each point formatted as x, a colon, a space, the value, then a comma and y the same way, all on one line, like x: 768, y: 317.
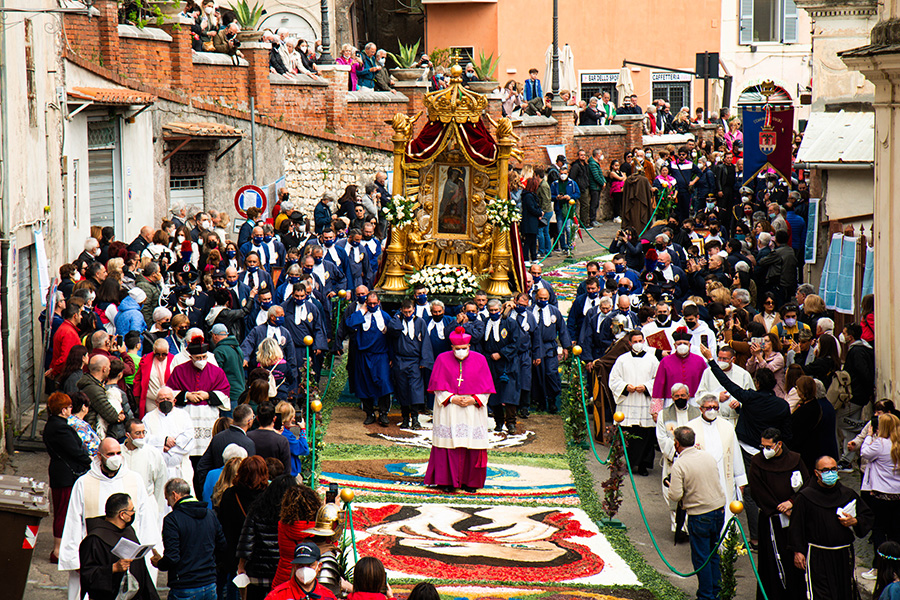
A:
x: 502, y: 213
x: 446, y: 279
x: 399, y: 211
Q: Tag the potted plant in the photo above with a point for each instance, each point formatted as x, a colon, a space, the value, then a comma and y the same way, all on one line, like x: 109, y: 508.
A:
x: 485, y: 68
x: 248, y: 18
x: 406, y: 62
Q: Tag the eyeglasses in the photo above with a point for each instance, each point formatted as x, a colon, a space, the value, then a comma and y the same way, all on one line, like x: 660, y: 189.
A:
x: 769, y: 302
x: 829, y: 470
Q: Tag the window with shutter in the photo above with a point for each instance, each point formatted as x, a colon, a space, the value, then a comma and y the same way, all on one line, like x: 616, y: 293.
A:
x: 746, y: 22
x: 789, y: 28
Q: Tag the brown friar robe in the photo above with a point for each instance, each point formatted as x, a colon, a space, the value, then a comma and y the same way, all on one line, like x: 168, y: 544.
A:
x: 638, y: 201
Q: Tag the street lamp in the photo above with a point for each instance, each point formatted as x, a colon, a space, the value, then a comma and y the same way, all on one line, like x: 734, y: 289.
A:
x: 325, y: 58
x: 554, y: 80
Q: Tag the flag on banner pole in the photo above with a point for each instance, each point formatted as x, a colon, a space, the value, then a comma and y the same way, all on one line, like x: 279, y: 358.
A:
x: 868, y: 284
x: 846, y: 279
x: 768, y: 136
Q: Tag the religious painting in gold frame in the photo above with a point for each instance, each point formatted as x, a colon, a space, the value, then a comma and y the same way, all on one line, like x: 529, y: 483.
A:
x: 452, y: 195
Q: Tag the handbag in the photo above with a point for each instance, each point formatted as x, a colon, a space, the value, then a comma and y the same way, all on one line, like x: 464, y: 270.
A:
x: 129, y: 587
x: 209, y: 46
x: 839, y: 391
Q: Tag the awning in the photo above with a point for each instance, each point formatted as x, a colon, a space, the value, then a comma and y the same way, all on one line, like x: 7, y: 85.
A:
x: 116, y: 96
x: 89, y: 96
x: 185, y: 133
x: 839, y: 139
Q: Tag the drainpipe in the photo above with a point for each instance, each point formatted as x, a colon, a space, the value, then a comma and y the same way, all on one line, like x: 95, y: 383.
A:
x: 4, y: 236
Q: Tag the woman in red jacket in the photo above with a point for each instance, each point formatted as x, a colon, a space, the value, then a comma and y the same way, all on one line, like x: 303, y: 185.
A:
x: 298, y: 513
x: 156, y: 365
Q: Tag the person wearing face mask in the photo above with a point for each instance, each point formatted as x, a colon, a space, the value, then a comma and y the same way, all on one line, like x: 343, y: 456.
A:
x: 631, y: 381
x: 170, y: 430
x: 336, y: 255
x: 582, y: 305
x: 411, y: 355
x: 152, y: 373
x: 860, y: 365
x: 304, y: 317
x: 372, y: 372
x: 192, y: 539
x: 303, y: 582
x: 662, y: 323
x: 330, y: 277
x: 253, y: 276
x: 682, y: 366
x: 101, y: 570
x: 358, y: 259
x: 614, y: 325
x: 289, y: 277
x: 257, y: 244
x: 825, y: 518
x: 716, y: 436
x: 273, y: 247
x: 108, y: 475
x: 561, y: 191
x: 472, y: 323
x: 701, y: 334
x: 728, y: 406
x: 462, y: 384
x: 528, y: 351
x: 145, y: 460
x: 776, y: 475
x: 273, y: 327
x: 202, y: 389
x: 356, y: 302
x: 677, y: 414
x: 499, y: 345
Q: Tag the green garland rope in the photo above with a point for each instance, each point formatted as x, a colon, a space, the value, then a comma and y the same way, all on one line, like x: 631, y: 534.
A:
x: 725, y: 530
x: 561, y: 230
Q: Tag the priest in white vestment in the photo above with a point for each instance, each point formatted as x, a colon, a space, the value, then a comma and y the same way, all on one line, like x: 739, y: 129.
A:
x: 676, y: 415
x: 146, y: 461
x: 108, y: 475
x: 631, y: 382
x: 716, y: 436
x: 728, y: 406
x: 171, y: 431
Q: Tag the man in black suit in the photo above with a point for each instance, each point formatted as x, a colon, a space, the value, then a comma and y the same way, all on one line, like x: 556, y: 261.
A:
x: 235, y: 434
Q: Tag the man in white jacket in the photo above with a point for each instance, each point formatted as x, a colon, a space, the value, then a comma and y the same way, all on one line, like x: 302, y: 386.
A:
x: 728, y: 406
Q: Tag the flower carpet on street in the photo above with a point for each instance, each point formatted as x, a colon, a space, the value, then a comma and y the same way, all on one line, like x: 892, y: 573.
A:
x: 491, y: 543
x: 488, y: 592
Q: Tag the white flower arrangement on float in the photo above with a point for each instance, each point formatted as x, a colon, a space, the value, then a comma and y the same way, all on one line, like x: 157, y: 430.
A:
x: 446, y: 279
x: 400, y: 212
x: 502, y: 213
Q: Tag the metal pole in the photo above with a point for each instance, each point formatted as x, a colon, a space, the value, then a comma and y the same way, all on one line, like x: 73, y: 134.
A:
x: 705, y: 86
x: 554, y: 78
x: 307, y: 383
x: 312, y: 448
x: 349, y: 507
x: 325, y: 58
x: 253, y: 137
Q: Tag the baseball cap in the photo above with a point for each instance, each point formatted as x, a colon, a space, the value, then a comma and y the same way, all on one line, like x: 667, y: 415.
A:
x: 306, y: 553
x: 219, y: 329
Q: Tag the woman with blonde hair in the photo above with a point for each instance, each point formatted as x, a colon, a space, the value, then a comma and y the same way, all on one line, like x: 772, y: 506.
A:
x: 299, y: 445
x: 813, y: 310
x: 282, y: 382
x: 682, y: 121
x: 881, y: 451
x: 226, y: 480
x: 115, y: 268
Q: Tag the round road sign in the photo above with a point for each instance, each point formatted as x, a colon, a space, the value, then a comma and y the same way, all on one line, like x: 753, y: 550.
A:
x: 247, y: 196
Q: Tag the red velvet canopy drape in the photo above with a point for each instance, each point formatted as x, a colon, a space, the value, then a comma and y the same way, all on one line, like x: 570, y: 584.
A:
x: 476, y: 140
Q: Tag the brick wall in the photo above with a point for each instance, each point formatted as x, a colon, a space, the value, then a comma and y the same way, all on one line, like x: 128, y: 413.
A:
x: 166, y: 69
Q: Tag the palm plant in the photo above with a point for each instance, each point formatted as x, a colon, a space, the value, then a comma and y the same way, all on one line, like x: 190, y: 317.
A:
x: 247, y: 16
x: 486, y: 66
x: 407, y: 57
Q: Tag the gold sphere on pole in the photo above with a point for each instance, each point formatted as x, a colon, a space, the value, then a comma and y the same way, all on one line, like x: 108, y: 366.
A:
x: 576, y: 350
x: 308, y: 340
x: 342, y: 293
x: 315, y: 406
x: 347, y: 495
x: 736, y: 507
x: 572, y: 201
x: 618, y: 417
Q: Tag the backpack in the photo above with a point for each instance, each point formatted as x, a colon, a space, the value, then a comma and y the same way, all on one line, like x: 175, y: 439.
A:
x: 838, y: 392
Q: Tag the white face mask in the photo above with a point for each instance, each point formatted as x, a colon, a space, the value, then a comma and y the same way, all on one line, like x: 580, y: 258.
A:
x: 200, y: 364
x: 208, y: 10
x: 114, y: 462
x: 305, y: 575
x: 180, y: 239
x: 189, y: 301
x: 842, y: 339
x: 769, y: 453
x: 723, y: 364
x: 461, y: 353
x: 637, y: 347
x: 204, y: 224
x: 682, y: 349
x: 710, y: 414
x: 138, y: 442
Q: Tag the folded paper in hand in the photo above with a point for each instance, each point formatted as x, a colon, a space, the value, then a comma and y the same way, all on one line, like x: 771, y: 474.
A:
x: 129, y: 550
x: 847, y: 511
